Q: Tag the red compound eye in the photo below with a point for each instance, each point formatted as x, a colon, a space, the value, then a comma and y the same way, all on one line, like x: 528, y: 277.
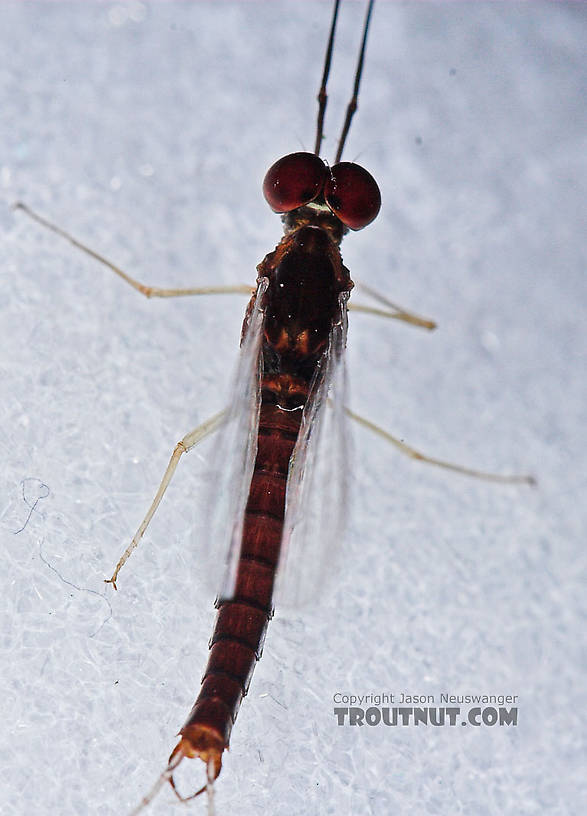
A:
x: 293, y: 181
x: 353, y: 195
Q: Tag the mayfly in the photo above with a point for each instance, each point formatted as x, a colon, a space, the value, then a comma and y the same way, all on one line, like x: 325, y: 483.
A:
x: 279, y: 503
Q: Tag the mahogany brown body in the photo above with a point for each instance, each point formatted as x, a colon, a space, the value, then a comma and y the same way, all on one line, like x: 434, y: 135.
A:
x: 306, y: 277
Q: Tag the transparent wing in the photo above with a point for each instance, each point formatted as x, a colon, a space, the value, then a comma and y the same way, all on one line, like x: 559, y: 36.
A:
x: 220, y: 525
x: 316, y: 497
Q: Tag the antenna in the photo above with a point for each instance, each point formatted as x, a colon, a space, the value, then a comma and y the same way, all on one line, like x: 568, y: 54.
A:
x: 352, y: 106
x: 323, y: 96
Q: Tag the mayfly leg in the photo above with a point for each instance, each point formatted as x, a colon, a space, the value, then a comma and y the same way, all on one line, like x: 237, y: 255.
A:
x: 144, y: 289
x: 418, y: 456
x: 394, y: 311
x: 189, y: 441
x: 195, y: 436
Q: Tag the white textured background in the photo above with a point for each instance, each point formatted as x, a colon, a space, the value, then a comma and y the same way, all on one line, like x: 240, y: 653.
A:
x: 146, y: 130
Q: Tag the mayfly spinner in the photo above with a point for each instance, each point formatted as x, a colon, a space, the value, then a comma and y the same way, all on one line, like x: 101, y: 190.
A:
x: 281, y: 500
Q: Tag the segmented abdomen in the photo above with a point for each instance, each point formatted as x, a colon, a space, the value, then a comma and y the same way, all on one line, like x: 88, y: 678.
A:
x: 241, y: 623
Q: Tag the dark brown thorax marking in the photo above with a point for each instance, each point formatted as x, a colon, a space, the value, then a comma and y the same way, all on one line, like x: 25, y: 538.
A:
x: 306, y: 276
